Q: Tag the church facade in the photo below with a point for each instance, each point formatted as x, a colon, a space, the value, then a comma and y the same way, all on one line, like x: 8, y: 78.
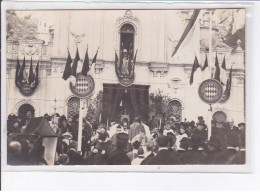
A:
x: 153, y: 36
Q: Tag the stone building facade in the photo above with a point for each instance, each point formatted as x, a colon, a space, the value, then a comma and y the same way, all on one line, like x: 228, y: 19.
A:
x: 155, y: 35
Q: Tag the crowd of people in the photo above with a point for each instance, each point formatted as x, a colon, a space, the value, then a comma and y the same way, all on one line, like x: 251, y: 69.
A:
x: 141, y: 143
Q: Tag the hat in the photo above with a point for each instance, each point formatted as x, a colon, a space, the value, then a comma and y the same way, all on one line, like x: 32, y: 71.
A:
x: 124, y: 51
x: 241, y: 124
x: 200, y: 118
x: 122, y: 138
x: 62, y: 118
x: 165, y: 132
x: 192, y: 124
x: 196, y: 140
x: 162, y: 141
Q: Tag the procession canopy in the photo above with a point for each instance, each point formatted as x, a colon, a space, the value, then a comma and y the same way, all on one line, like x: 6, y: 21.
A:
x: 40, y: 126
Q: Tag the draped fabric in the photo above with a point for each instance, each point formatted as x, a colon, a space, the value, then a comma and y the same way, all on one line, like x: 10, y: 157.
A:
x: 116, y: 101
x: 133, y: 99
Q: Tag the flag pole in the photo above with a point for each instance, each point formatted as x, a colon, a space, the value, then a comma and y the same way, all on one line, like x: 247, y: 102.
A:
x: 80, y: 124
x: 211, y: 68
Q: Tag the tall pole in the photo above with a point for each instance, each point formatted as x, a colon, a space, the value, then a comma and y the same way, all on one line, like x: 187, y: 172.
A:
x: 211, y: 68
x: 80, y: 124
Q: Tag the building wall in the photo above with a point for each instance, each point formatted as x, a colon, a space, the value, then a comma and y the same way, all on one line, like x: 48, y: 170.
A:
x: 154, y: 37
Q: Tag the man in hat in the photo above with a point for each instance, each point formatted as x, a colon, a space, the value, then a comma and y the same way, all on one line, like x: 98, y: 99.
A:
x: 117, y: 156
x: 233, y: 134
x: 164, y: 156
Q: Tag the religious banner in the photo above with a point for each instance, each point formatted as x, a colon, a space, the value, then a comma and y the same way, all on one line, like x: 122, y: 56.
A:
x: 125, y: 67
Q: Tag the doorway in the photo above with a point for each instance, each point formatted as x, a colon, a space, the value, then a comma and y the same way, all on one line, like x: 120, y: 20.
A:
x: 124, y: 102
x: 23, y: 109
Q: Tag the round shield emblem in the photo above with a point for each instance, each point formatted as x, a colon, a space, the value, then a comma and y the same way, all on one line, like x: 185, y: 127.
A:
x: 126, y: 80
x: 83, y: 86
x: 210, y: 91
x: 27, y: 89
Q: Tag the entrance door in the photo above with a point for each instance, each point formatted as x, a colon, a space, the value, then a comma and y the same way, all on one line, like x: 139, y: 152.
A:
x: 23, y: 109
x: 122, y: 102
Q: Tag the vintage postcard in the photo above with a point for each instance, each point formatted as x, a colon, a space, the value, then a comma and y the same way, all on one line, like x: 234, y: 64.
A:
x: 125, y: 87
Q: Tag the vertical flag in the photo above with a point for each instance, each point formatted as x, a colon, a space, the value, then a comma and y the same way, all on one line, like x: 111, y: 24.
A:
x: 31, y: 74
x: 224, y: 63
x: 189, y: 26
x: 194, y: 68
x: 133, y: 68
x: 75, y: 64
x: 95, y: 58
x: 37, y: 74
x: 67, y: 70
x: 130, y: 55
x: 205, y: 64
x: 20, y: 76
x: 217, y: 71
x: 17, y: 72
x: 92, y: 66
x: 230, y: 80
x: 228, y: 88
x: 85, y: 67
x: 116, y: 63
x: 223, y: 73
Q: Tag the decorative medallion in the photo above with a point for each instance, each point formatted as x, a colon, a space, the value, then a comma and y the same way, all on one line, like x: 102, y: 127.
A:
x: 83, y: 85
x: 27, y: 89
x: 210, y: 91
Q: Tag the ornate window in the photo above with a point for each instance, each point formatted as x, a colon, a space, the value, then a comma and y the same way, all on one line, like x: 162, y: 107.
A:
x: 127, y: 32
x: 129, y: 26
x: 175, y: 110
x: 73, y: 107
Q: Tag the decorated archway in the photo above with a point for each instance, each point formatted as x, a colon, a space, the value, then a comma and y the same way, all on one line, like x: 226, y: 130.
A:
x: 219, y: 116
x: 23, y: 109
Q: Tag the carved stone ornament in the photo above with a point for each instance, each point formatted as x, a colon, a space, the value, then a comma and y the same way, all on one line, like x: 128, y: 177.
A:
x: 78, y: 37
x: 159, y: 70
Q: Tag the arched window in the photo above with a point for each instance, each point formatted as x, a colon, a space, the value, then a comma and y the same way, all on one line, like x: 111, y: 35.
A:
x: 219, y: 116
x: 73, y: 107
x: 127, y: 33
x: 175, y: 110
x: 23, y: 109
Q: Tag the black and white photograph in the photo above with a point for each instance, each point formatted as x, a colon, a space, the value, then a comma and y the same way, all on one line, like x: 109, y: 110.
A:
x: 125, y: 87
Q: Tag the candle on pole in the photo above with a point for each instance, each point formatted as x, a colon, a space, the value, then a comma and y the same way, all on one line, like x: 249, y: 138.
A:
x: 80, y: 124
